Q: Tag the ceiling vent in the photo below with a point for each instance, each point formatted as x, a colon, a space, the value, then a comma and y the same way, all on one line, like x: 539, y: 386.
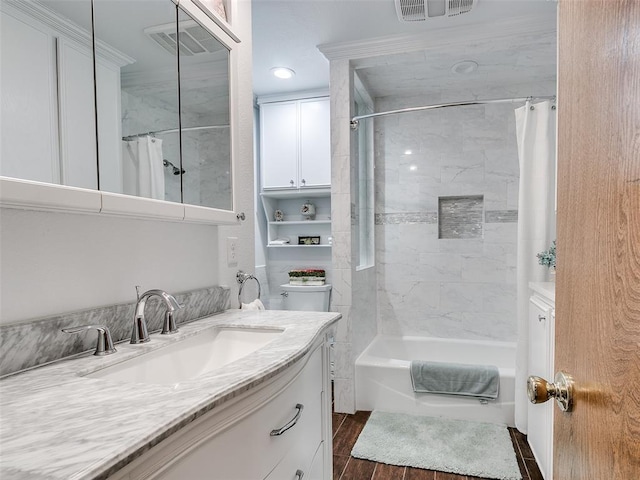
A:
x: 420, y: 10
x: 191, y: 38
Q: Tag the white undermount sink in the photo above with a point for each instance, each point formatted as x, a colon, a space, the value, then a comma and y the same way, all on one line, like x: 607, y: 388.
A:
x: 180, y: 361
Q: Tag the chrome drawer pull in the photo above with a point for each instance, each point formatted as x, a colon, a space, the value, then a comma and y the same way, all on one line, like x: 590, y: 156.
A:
x: 299, y: 474
x: 294, y: 420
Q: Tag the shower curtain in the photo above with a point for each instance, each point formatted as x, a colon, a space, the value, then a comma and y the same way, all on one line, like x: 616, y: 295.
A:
x: 536, y: 132
x: 142, y: 169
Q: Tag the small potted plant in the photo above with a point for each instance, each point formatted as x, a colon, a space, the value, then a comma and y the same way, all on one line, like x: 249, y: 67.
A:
x: 548, y: 258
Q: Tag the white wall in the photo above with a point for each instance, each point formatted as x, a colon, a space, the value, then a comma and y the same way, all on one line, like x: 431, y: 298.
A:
x: 54, y: 262
x: 243, y: 172
x: 353, y: 291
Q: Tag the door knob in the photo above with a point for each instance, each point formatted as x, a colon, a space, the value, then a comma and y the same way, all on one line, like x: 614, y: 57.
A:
x: 539, y: 390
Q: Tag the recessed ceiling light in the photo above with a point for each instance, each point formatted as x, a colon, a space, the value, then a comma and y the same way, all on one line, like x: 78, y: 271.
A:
x: 282, y: 72
x: 413, y: 168
x: 408, y: 152
x: 465, y: 67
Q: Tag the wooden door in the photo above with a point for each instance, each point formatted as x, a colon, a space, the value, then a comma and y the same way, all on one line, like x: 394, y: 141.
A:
x: 598, y: 279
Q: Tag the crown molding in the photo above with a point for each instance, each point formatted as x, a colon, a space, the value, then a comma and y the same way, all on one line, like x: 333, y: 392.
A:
x: 59, y: 25
x: 290, y: 96
x: 438, y: 37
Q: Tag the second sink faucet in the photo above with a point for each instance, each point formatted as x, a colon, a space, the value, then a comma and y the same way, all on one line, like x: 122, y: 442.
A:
x: 140, y: 334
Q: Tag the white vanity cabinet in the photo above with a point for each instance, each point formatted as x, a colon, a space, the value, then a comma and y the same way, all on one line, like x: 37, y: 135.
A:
x: 295, y: 144
x: 541, y: 364
x: 239, y: 441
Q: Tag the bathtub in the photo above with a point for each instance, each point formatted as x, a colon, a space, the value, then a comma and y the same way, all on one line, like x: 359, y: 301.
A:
x: 383, y: 381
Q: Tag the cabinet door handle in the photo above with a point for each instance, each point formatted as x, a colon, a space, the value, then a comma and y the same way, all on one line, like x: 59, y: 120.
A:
x: 299, y: 474
x: 541, y: 318
x: 304, y: 182
x: 291, y: 182
x: 291, y: 423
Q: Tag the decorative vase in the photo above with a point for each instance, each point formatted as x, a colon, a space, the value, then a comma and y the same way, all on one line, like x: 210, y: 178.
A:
x: 308, y: 210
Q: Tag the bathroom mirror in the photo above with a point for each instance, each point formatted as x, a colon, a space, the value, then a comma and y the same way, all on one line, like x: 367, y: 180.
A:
x: 138, y: 104
x: 174, y: 132
x: 126, y: 138
x: 205, y: 119
x: 47, y: 96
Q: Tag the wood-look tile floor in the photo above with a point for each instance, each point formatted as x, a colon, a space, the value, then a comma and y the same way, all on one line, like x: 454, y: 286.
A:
x: 347, y: 428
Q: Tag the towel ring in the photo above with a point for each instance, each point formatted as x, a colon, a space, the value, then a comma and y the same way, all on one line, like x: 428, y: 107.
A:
x: 242, y: 278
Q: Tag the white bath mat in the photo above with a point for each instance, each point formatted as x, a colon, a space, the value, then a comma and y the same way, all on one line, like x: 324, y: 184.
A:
x: 433, y: 443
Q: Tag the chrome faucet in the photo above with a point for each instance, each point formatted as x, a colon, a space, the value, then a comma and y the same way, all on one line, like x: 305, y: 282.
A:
x: 140, y: 334
x: 105, y: 343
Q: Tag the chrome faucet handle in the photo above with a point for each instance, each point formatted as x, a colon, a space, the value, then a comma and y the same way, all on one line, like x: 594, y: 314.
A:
x: 169, y: 325
x: 105, y: 343
x: 138, y: 287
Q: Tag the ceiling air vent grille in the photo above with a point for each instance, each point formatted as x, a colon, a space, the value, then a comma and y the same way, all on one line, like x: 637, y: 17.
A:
x: 192, y: 39
x: 420, y: 10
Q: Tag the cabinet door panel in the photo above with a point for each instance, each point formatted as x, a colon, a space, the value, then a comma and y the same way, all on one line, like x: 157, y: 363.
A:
x: 77, y: 115
x: 315, y: 143
x: 279, y: 145
x: 540, y: 417
x: 28, y: 99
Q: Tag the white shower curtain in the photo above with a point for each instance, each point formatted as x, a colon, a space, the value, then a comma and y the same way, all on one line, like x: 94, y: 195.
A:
x: 142, y: 168
x: 536, y: 131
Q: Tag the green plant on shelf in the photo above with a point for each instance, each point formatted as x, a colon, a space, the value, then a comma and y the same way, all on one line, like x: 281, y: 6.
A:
x: 548, y: 257
x: 307, y: 273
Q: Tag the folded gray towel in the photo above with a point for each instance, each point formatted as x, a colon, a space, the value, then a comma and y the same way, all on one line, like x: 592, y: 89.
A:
x: 455, y: 379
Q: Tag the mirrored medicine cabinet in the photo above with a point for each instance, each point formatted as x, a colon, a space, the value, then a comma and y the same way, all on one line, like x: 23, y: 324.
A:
x: 123, y: 97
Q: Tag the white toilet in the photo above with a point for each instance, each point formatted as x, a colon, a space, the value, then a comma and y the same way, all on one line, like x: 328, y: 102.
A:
x: 310, y: 298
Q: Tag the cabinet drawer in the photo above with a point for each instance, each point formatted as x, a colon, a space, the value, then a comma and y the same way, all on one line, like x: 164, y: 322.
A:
x: 310, y: 464
x: 247, y: 450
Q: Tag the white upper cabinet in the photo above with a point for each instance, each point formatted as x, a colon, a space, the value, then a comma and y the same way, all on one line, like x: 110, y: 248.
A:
x: 279, y: 142
x: 315, y: 143
x: 295, y: 144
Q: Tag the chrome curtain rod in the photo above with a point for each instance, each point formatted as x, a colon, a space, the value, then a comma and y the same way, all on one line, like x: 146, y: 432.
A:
x: 355, y: 120
x: 174, y: 130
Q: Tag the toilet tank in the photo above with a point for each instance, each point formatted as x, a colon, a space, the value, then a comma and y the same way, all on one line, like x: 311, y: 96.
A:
x: 310, y: 298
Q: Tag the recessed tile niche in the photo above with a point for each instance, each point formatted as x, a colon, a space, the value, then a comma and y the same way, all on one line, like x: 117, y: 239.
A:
x: 460, y: 217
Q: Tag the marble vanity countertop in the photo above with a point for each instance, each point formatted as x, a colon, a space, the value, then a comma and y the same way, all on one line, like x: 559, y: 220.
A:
x: 546, y: 289
x: 57, y: 424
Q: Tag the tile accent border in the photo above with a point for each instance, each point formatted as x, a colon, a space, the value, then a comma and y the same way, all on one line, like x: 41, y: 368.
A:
x: 501, y: 216
x: 406, y: 218
x: 40, y: 341
x: 490, y: 216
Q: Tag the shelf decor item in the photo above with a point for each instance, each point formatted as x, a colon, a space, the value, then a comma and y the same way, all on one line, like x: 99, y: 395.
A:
x: 309, y: 276
x: 548, y: 257
x: 278, y: 215
x: 314, y: 240
x: 308, y: 210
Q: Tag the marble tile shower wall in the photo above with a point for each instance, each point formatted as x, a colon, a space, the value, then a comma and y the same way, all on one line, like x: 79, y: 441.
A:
x: 27, y: 344
x: 205, y: 153
x: 461, y: 287
x: 141, y: 114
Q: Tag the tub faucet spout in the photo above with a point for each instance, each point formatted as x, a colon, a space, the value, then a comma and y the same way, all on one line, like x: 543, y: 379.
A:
x: 140, y: 333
